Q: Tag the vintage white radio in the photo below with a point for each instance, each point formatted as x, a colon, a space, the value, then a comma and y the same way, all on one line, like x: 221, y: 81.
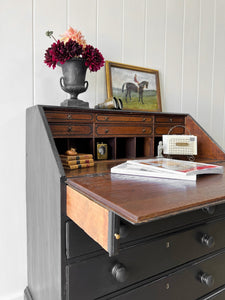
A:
x: 179, y: 144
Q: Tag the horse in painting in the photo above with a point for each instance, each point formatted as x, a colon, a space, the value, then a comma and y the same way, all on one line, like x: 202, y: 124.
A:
x: 129, y: 87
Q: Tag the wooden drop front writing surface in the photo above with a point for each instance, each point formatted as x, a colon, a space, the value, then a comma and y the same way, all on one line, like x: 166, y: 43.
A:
x: 142, y: 199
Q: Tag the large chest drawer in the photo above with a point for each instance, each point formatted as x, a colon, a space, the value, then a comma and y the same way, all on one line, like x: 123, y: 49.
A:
x: 131, y: 234
x: 122, y: 130
x: 144, y: 260
x: 200, y: 281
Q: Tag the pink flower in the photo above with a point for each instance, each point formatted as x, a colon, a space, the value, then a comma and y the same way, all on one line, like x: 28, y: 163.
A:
x: 74, y: 35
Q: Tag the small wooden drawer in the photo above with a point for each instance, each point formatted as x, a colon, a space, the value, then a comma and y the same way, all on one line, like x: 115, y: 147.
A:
x: 203, y: 280
x: 63, y: 116
x: 123, y: 118
x: 164, y: 129
x: 169, y: 119
x: 119, y: 130
x: 70, y: 130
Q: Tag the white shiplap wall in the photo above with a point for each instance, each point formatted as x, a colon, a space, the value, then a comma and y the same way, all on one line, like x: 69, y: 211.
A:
x: 183, y: 39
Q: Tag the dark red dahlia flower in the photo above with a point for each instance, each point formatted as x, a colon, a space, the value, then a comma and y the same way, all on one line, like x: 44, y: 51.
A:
x: 93, y: 58
x: 60, y: 52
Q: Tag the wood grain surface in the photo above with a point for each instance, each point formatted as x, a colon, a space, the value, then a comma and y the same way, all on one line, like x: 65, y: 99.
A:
x: 91, y: 217
x: 141, y: 199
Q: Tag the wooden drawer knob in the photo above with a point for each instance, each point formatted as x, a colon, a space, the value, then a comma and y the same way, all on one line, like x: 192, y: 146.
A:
x: 206, y: 279
x: 209, y: 210
x: 207, y: 240
x: 119, y: 272
x: 124, y: 231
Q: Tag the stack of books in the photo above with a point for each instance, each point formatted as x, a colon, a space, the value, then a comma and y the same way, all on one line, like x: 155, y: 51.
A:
x: 78, y: 161
x: 166, y: 168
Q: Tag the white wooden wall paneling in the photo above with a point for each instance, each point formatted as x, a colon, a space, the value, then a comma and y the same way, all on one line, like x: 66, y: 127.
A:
x: 50, y: 15
x: 218, y: 85
x: 155, y: 39
x: 183, y: 39
x: 206, y: 41
x: 109, y: 38
x: 16, y: 95
x: 173, y: 55
x: 190, y: 57
x: 82, y: 15
x: 134, y: 32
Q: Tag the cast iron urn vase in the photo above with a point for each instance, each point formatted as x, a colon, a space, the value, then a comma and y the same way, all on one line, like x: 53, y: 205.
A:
x: 73, y: 81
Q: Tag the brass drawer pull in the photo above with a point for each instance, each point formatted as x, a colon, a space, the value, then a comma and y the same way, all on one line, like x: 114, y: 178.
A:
x: 69, y: 129
x: 117, y: 236
x: 69, y: 116
x: 107, y: 130
x: 143, y: 130
x: 143, y: 119
x: 106, y: 118
x: 171, y: 120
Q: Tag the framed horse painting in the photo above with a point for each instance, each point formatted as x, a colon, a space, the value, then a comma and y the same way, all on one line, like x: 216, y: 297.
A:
x: 137, y: 87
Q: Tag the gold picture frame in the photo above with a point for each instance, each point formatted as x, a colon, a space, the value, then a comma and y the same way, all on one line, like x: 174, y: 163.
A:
x: 137, y: 87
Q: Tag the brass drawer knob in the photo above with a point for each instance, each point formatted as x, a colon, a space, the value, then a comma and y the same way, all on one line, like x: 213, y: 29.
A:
x: 117, y: 236
x: 69, y: 129
x: 107, y: 130
x: 143, y: 119
x: 106, y: 118
x: 143, y: 130
x: 69, y: 116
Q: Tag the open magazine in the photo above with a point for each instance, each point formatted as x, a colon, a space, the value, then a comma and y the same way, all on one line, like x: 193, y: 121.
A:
x: 167, y: 168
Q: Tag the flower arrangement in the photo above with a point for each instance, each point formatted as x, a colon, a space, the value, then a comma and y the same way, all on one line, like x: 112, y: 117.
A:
x: 72, y: 44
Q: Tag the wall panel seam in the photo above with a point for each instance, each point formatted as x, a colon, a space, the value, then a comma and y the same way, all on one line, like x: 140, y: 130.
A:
x: 145, y: 35
x: 123, y: 30
x: 199, y: 51
x: 165, y: 48
x: 97, y: 45
x: 182, y: 59
x: 213, y: 67
x: 224, y: 119
x: 33, y: 52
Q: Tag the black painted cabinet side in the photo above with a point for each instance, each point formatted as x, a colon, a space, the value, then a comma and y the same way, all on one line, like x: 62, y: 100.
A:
x: 44, y: 191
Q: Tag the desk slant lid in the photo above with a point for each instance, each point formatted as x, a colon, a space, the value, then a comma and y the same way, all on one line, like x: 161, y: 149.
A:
x: 139, y: 199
